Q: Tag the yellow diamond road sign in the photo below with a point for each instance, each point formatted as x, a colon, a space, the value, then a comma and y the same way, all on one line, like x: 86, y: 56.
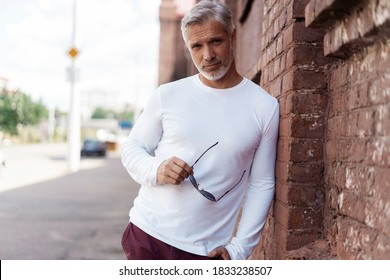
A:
x: 73, y: 52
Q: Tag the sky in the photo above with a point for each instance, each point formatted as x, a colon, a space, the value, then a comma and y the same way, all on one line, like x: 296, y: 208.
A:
x: 118, y: 42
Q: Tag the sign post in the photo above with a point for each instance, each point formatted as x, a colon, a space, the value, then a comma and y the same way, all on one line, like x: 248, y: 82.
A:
x: 74, y: 109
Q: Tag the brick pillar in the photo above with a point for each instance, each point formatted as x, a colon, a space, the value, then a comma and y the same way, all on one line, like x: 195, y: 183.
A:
x: 172, y: 60
x: 293, y: 70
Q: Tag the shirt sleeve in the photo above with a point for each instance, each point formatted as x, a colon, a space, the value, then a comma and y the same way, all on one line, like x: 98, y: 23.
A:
x: 260, y: 193
x: 138, y: 150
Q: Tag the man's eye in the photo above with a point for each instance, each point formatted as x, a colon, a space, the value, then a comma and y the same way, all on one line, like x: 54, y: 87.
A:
x: 216, y: 41
x: 196, y: 46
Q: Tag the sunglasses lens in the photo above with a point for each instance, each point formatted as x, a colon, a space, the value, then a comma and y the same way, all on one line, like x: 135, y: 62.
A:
x: 208, y: 195
x: 193, y: 181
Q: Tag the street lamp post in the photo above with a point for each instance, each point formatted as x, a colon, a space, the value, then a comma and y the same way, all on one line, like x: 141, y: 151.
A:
x: 74, y: 109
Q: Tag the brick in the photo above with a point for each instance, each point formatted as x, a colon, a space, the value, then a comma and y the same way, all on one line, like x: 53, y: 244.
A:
x: 279, y: 45
x: 283, y: 62
x: 287, y: 37
x: 324, y: 13
x: 352, y: 205
x: 309, y: 56
x: 350, y: 35
x: 381, y: 186
x: 298, y: 7
x: 300, y: 150
x: 281, y: 192
x: 337, y: 127
x: 281, y: 171
x: 276, y: 87
x: 339, y: 77
x: 306, y: 150
x: 307, y: 103
x: 282, y: 214
x: 349, y: 240
x: 331, y: 200
x: 277, y: 69
x: 305, y: 218
x: 287, y: 82
x: 380, y: 247
x: 351, y: 150
x: 357, y: 97
x: 265, y: 76
x: 378, y: 152
x: 307, y: 126
x: 335, y: 175
x: 359, y: 179
x: 360, y: 124
x: 297, y: 32
x: 357, y: 241
x: 297, y: 239
x: 281, y: 235
x: 307, y: 172
x: 301, y: 33
x: 284, y: 149
x: 304, y: 196
x: 357, y: 151
x: 331, y: 150
x: 338, y: 103
x: 283, y: 19
x: 379, y: 91
x: 283, y: 111
x: 377, y: 214
x: 299, y: 79
x: 285, y: 126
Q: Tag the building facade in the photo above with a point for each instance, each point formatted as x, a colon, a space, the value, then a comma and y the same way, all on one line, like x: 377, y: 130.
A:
x: 327, y: 62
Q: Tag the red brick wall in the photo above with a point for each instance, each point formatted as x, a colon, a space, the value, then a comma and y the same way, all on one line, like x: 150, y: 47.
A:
x: 357, y: 220
x: 327, y: 63
x: 291, y: 68
x: 357, y: 158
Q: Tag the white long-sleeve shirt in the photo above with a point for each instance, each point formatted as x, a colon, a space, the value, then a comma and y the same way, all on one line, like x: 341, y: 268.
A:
x: 183, y: 119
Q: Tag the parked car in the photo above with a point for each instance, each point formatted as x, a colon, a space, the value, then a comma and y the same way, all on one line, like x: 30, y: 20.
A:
x: 93, y: 147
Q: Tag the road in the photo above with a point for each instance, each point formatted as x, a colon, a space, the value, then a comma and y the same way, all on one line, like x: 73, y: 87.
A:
x: 47, y: 213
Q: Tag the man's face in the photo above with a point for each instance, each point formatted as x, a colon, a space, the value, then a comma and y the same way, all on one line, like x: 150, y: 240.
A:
x: 211, y: 49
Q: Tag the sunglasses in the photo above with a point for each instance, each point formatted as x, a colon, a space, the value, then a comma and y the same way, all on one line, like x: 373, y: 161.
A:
x: 205, y: 193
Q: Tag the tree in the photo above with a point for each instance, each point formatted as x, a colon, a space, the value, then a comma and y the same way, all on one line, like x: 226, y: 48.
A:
x: 18, y: 108
x: 102, y: 113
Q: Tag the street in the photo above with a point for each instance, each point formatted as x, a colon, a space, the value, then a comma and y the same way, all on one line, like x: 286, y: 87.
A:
x: 47, y: 213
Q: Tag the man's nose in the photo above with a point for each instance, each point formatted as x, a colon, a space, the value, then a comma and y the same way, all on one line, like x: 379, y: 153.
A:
x: 209, y: 53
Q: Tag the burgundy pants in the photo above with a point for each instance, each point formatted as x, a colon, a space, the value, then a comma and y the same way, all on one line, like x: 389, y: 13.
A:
x: 138, y: 245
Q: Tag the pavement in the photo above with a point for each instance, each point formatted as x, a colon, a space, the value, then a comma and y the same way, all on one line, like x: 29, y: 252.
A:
x: 51, y: 214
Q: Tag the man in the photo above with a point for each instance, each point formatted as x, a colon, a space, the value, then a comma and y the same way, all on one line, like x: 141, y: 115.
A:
x: 203, y: 145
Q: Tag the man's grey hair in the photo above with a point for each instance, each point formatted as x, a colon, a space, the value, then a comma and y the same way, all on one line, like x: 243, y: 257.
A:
x: 207, y: 10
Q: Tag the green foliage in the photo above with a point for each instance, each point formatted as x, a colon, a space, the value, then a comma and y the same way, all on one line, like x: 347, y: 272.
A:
x: 18, y: 108
x: 101, y: 113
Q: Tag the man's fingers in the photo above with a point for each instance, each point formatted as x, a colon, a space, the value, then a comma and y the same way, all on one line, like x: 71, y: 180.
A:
x: 221, y: 252
x: 173, y: 171
x: 184, y: 168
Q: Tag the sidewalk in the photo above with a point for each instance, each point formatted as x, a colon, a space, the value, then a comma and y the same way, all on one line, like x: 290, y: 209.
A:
x: 79, y: 215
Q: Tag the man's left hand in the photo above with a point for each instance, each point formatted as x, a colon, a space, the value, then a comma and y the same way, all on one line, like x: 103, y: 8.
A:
x: 220, y: 252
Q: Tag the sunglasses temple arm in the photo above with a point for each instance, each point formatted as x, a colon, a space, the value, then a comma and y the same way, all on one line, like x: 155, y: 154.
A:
x: 233, y: 186
x: 204, y: 153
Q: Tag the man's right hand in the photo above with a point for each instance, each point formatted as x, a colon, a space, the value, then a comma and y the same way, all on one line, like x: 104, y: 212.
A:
x: 173, y: 171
